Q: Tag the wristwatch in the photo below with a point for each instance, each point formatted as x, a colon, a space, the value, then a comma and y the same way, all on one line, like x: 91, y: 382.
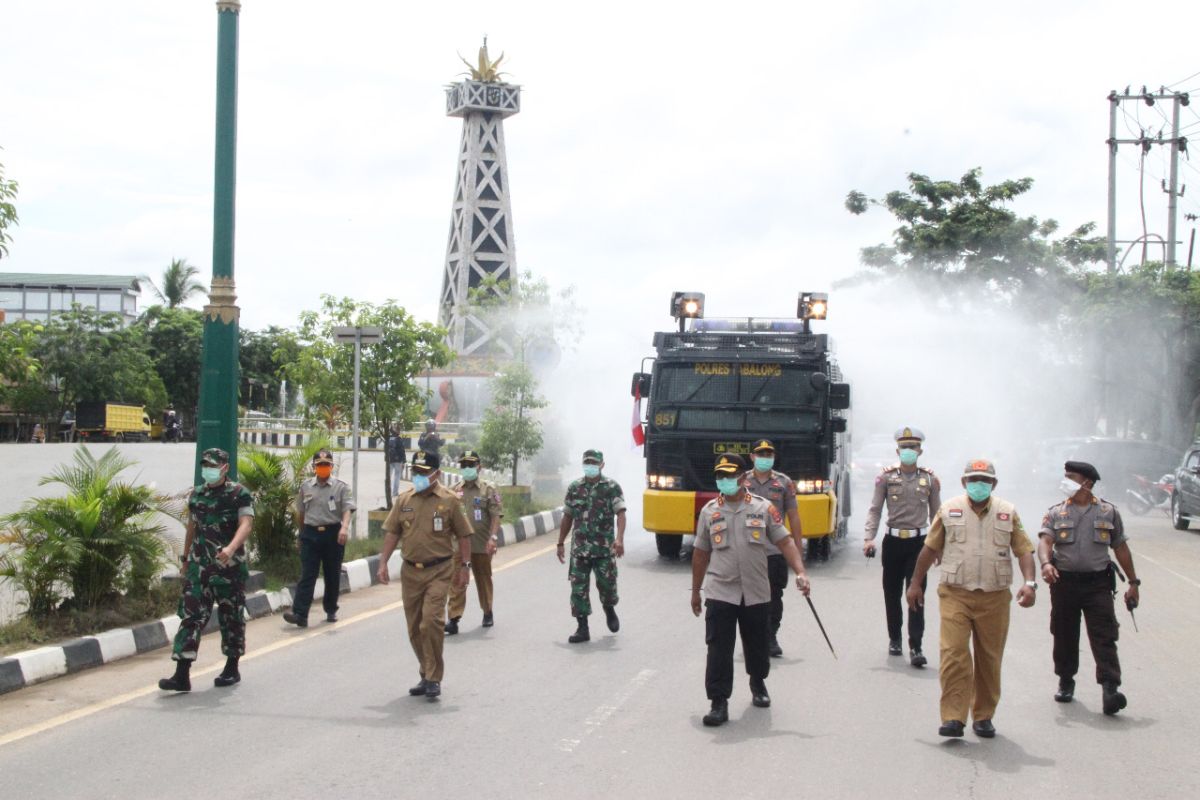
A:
x: 1135, y: 581
x: 1031, y: 584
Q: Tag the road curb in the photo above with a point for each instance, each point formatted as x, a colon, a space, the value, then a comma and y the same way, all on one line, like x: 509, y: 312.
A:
x: 53, y: 661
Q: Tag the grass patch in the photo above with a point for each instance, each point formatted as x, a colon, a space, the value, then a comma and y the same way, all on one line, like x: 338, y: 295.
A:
x: 27, y: 632
x: 361, y: 548
x: 280, y: 570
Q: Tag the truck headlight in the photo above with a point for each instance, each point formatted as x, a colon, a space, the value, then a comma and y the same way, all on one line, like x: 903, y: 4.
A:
x: 812, y: 487
x: 663, y: 481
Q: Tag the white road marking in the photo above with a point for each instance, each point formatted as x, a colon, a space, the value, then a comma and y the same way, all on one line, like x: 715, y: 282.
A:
x: 1145, y: 557
x: 602, y: 714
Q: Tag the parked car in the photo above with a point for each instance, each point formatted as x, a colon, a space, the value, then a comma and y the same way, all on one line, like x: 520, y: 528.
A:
x: 1185, y: 500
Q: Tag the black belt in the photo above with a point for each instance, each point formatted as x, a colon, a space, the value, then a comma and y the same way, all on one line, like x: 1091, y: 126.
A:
x: 1083, y: 576
x: 433, y: 562
x: 323, y: 528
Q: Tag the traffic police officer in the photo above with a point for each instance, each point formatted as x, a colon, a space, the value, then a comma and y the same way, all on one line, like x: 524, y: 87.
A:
x: 323, y: 508
x: 729, y: 563
x: 592, y: 505
x: 913, y: 495
x: 429, y: 525
x: 481, y: 501
x: 220, y: 518
x: 766, y: 482
x: 975, y: 535
x: 1074, y: 544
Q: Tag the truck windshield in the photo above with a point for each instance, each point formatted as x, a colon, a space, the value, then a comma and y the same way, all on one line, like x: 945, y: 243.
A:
x: 734, y: 384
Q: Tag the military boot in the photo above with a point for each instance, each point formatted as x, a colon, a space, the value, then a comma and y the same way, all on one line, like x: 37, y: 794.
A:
x: 230, y: 675
x: 1114, y: 701
x: 488, y: 619
x: 452, y: 626
x: 719, y: 714
x: 1066, y: 690
x: 181, y: 681
x: 916, y: 657
x: 581, y: 633
x: 614, y: 624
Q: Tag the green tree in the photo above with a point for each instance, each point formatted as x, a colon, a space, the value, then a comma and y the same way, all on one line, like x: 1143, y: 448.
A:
x: 174, y: 340
x: 510, y: 431
x: 20, y: 372
x: 389, y: 394
x: 86, y: 355
x: 101, y: 538
x: 263, y: 356
x: 178, y: 283
x: 8, y: 210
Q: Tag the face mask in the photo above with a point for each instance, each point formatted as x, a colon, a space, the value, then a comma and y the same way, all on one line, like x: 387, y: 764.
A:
x: 591, y: 470
x: 420, y: 483
x: 210, y: 474
x: 1069, y: 487
x: 764, y: 463
x: 908, y: 456
x: 470, y: 473
x: 979, y: 490
x: 323, y: 471
x: 728, y: 486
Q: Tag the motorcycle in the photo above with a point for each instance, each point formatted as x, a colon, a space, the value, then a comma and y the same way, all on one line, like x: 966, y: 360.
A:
x: 173, y: 432
x: 1151, y: 495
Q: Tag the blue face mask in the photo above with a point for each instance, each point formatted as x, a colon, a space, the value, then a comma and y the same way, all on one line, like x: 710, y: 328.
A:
x: 979, y: 490
x: 764, y: 463
x: 210, y: 474
x: 420, y: 483
x: 728, y: 486
x: 908, y: 456
x: 470, y: 473
x: 591, y: 470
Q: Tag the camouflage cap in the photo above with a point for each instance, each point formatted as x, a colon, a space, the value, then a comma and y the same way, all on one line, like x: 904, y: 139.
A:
x: 909, y: 436
x: 468, y: 458
x: 593, y: 457
x: 980, y: 468
x: 214, y: 457
x: 763, y: 446
x: 323, y: 456
x: 729, y: 464
x: 425, y: 463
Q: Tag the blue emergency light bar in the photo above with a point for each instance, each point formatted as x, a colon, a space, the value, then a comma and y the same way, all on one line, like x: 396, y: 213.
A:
x: 748, y: 325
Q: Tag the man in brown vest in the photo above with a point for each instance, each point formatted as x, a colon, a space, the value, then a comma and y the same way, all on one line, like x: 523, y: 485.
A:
x: 975, y: 535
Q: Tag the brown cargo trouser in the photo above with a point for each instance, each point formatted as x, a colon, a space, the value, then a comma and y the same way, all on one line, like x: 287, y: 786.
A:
x: 481, y: 568
x: 983, y: 618
x: 424, y: 592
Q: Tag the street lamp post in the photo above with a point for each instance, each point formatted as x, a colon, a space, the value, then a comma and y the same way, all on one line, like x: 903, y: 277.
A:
x: 359, y: 335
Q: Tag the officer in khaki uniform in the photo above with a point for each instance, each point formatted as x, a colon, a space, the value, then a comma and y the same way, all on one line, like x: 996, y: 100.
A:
x: 779, y: 490
x: 1074, y: 543
x: 913, y: 495
x: 429, y: 525
x: 481, y: 500
x: 729, y: 563
x: 975, y: 535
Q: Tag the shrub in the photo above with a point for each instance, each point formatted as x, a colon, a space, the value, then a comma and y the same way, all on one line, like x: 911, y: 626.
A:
x: 274, y: 481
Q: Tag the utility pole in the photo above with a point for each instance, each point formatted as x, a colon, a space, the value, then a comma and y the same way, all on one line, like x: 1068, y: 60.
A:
x: 217, y: 426
x: 1177, y: 143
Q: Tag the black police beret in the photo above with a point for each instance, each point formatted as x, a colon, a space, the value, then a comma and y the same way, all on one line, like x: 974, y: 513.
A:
x: 1082, y: 468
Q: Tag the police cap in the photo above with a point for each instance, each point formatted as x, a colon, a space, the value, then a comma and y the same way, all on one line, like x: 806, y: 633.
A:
x: 425, y: 463
x: 763, y: 446
x: 468, y: 458
x: 323, y: 456
x: 1082, y: 468
x: 909, y: 436
x: 729, y: 464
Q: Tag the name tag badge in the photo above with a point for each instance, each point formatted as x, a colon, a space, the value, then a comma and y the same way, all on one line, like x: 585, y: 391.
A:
x: 332, y: 504
x: 479, y: 515
x: 437, y: 524
x: 756, y: 535
x: 954, y: 512
x: 923, y: 482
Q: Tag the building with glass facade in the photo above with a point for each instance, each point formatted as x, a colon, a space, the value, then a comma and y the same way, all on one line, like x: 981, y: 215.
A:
x: 38, y: 297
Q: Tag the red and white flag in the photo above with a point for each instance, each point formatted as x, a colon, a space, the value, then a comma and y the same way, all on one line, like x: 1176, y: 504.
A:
x: 639, y: 435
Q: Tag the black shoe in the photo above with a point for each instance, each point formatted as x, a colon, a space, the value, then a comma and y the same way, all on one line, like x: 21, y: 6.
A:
x: 179, y: 682
x: 1066, y: 690
x: 1114, y: 701
x: 614, y: 624
x: 227, y: 679
x: 331, y: 616
x: 953, y: 728
x: 917, y: 658
x: 451, y: 626
x: 433, y: 690
x: 984, y: 728
x: 581, y: 633
x: 488, y: 620
x: 719, y: 714
x: 298, y: 621
x: 774, y: 649
x: 894, y: 648
x: 758, y: 694
x: 420, y: 689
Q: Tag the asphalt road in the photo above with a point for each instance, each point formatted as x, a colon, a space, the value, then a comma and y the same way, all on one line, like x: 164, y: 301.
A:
x: 325, y: 712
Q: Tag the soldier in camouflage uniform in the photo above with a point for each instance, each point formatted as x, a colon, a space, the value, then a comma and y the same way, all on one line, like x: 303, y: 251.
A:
x: 591, y: 505
x: 220, y: 516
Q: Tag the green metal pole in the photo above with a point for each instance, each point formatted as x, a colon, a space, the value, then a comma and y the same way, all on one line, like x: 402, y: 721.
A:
x: 219, y: 366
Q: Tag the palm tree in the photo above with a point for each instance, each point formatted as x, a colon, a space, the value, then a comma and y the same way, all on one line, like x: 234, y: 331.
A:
x: 178, y: 283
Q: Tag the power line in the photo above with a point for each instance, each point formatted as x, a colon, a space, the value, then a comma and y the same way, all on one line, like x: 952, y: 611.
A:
x: 1188, y: 78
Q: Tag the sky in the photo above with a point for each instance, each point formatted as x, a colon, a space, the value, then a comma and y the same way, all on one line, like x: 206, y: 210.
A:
x: 660, y: 146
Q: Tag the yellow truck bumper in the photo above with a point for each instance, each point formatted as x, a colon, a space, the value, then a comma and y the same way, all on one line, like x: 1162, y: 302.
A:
x: 665, y: 511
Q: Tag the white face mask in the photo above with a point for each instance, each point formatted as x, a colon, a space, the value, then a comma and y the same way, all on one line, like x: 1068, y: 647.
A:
x: 1069, y: 487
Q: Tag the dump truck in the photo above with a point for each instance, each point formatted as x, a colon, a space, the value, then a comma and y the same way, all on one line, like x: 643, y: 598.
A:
x: 111, y: 422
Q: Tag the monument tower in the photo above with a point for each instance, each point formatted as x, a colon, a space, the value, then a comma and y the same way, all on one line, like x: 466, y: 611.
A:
x: 481, y: 232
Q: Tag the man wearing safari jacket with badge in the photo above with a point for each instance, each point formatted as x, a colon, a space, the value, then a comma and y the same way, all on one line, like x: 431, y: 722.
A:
x: 481, y: 500
x: 975, y: 535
